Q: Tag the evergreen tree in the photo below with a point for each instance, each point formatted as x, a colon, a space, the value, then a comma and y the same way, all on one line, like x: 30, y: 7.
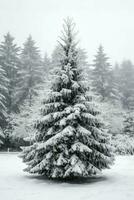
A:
x: 102, y: 76
x: 70, y: 140
x: 129, y: 125
x: 126, y: 84
x: 57, y: 55
x: 116, y: 73
x: 1, y: 137
x: 9, y: 60
x: 31, y: 70
x: 3, y: 96
x: 46, y: 64
x: 116, y: 80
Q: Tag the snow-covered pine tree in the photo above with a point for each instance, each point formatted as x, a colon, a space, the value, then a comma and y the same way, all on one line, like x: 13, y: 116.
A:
x: 31, y: 71
x: 70, y: 141
x: 116, y: 80
x: 1, y: 137
x: 3, y: 96
x: 126, y: 84
x: 102, y: 76
x: 58, y: 55
x: 129, y: 124
x: 46, y: 64
x: 9, y: 60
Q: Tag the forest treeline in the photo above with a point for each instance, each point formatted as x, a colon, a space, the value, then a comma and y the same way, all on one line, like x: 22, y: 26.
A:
x: 26, y: 75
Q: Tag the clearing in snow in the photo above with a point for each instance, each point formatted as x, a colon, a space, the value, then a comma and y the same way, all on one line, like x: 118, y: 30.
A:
x: 114, y: 184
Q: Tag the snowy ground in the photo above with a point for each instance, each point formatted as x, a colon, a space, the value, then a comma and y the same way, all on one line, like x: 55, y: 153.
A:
x: 115, y: 184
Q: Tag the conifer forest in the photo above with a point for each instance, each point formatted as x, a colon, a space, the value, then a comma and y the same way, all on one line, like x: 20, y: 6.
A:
x: 66, y: 118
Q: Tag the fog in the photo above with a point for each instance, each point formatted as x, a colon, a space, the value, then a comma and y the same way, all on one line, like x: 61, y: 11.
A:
x: 105, y: 22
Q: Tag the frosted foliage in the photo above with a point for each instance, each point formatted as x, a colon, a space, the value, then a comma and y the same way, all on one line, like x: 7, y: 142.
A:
x: 122, y: 144
x: 113, y: 115
x: 68, y: 131
x: 3, y: 93
x: 71, y: 140
x: 1, y: 137
x: 23, y: 122
x: 80, y: 147
x: 128, y: 128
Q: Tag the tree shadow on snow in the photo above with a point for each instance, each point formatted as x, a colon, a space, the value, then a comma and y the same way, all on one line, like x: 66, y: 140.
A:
x: 73, y: 180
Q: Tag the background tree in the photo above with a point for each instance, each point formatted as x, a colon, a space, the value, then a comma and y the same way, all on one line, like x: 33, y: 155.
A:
x: 9, y: 60
x: 1, y: 137
x: 102, y: 76
x: 70, y: 141
x: 22, y: 123
x: 129, y: 124
x: 46, y: 64
x: 31, y: 70
x: 3, y: 97
x: 116, y: 73
x: 126, y: 84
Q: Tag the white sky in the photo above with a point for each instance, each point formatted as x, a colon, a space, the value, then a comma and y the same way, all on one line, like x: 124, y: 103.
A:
x: 109, y: 22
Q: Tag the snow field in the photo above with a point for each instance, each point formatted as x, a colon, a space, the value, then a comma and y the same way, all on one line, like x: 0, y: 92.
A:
x: 114, y: 184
